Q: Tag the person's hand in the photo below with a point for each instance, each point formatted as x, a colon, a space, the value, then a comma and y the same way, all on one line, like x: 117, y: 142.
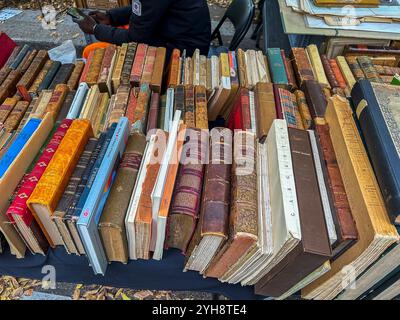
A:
x: 100, y: 17
x: 87, y: 24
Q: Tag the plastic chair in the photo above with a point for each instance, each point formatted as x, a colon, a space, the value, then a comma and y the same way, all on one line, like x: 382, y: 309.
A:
x: 241, y: 14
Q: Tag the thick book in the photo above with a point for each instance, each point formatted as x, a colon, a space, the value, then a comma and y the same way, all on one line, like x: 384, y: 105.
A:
x: 190, y: 112
x: 6, y: 107
x: 93, y: 207
x: 132, y: 102
x: 77, y: 102
x: 94, y: 68
x: 212, y: 229
x: 316, y: 64
x: 119, y: 64
x: 376, y: 108
x: 185, y: 206
x: 329, y: 72
x: 337, y: 73
x: 154, y: 109
x: 138, y: 64
x: 86, y: 68
x: 355, y: 67
x: 48, y: 191
x: 33, y: 89
x: 173, y: 76
x: 368, y: 69
x: 243, y: 221
x: 139, y: 123
x: 15, y: 116
x: 118, y: 108
x: 62, y: 76
x: 106, y: 68
x: 73, y: 80
x: 65, y: 106
x: 376, y: 233
x: 11, y: 178
x: 48, y: 78
x: 157, y: 76
x: 149, y: 65
x: 314, y: 248
x: 26, y: 62
x: 112, y: 222
x: 316, y: 99
x: 18, y: 211
x: 277, y: 66
x: 302, y: 65
x: 127, y: 66
x: 289, y: 71
x: 57, y: 100
x: 8, y: 87
x: 200, y: 100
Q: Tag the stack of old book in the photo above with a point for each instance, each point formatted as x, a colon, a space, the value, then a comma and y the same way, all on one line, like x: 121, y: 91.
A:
x: 114, y: 159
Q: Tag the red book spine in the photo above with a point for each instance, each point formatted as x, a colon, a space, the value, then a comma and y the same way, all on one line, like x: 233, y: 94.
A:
x: 245, y: 107
x: 235, y: 119
x: 149, y: 65
x: 86, y: 68
x: 278, y: 106
x: 153, y: 112
x: 7, y: 47
x: 19, y: 206
x: 138, y: 64
x: 130, y: 110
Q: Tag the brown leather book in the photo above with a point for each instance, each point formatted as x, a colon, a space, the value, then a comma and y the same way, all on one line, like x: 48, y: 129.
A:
x: 148, y: 67
x: 94, y: 68
x: 302, y: 65
x: 289, y: 71
x: 73, y: 80
x: 4, y: 73
x: 112, y: 222
x: 34, y: 88
x: 212, y: 229
x: 190, y: 112
x: 243, y: 221
x: 26, y: 62
x: 303, y: 109
x: 179, y: 100
x: 344, y: 222
x: 265, y: 108
x: 127, y: 66
x: 368, y: 69
x: 185, y: 206
x: 106, y: 68
x: 57, y: 99
x: 118, y: 109
x: 200, y: 97
x: 8, y: 87
x: 139, y: 123
x: 66, y: 106
x: 338, y: 73
x: 329, y: 72
x: 355, y: 67
x: 314, y: 248
x: 15, y: 116
x: 316, y: 99
x: 6, y: 107
x: 153, y: 111
x: 157, y: 76
x: 62, y: 76
x: 30, y: 75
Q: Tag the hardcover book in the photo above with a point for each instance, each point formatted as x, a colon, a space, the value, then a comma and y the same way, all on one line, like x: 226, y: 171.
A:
x: 73, y: 80
x: 138, y: 64
x: 62, y: 76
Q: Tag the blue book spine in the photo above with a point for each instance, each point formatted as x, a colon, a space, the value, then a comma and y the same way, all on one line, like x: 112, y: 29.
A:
x: 277, y: 66
x: 102, y: 184
x: 18, y: 145
x: 20, y: 56
x: 77, y: 103
x: 94, y: 171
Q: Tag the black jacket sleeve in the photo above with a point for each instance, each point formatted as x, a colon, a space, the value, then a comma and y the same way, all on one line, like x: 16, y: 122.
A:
x: 120, y: 16
x: 141, y: 27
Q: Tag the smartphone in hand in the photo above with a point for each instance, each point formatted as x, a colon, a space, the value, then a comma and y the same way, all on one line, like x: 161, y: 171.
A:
x: 75, y: 13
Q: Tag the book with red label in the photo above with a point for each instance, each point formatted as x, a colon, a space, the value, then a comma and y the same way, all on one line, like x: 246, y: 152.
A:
x: 138, y: 64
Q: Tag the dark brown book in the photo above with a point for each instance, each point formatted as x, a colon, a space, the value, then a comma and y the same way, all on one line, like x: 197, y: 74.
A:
x: 329, y: 72
x: 185, y: 205
x: 15, y: 116
x: 368, y: 69
x: 33, y: 90
x: 302, y: 65
x: 30, y: 75
x: 158, y: 72
x: 265, y: 108
x: 48, y: 78
x: 66, y: 106
x: 127, y: 66
x: 4, y: 72
x: 344, y: 222
x: 118, y: 109
x: 23, y: 67
x: 316, y: 99
x: 63, y: 75
x: 243, y: 221
x: 289, y: 71
x: 12, y: 57
x: 212, y: 229
x: 106, y: 68
x: 179, y: 99
x: 355, y: 67
x: 68, y: 197
x: 112, y: 222
x: 8, y: 87
x: 190, y: 112
x: 152, y: 117
x: 73, y: 80
x: 314, y: 248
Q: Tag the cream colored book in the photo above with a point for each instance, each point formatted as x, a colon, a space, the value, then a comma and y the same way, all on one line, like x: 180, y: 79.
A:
x: 196, y: 67
x: 263, y: 71
x: 316, y: 64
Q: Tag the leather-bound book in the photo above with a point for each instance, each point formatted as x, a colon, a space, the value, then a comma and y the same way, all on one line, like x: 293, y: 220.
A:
x: 18, y: 211
x: 173, y: 78
x: 368, y: 69
x: 329, y: 72
x: 243, y: 221
x: 4, y: 73
x: 11, y: 57
x: 40, y: 106
x: 316, y: 99
x: 34, y: 88
x: 314, y: 248
x: 15, y: 116
x: 8, y: 87
x: 25, y: 50
x: 86, y: 68
x: 338, y: 73
x: 48, y: 78
x: 106, y: 68
x: 66, y: 106
x: 346, y: 71
x: 30, y: 75
x: 57, y: 99
x: 316, y: 64
x: 149, y: 64
x: 289, y: 70
x: 243, y: 98
x: 48, y: 191
x: 286, y: 107
x: 212, y: 229
x: 303, y: 109
x: 119, y: 64
x: 302, y: 65
x: 179, y: 100
x: 201, y: 117
x: 139, y: 123
x: 185, y: 206
x: 132, y: 102
x: 63, y: 75
x: 355, y: 67
x: 112, y: 222
x: 118, y: 109
x: 152, y: 118
x: 138, y: 64
x: 127, y: 67
x: 299, y: 119
x: 158, y: 73
x: 73, y: 80
x: 68, y: 196
x: 344, y: 223
x: 27, y: 61
x: 99, y: 117
x: 95, y: 67
x: 376, y: 232
x: 242, y: 68
x: 6, y: 107
x: 277, y: 66
x: 190, y: 116
x: 265, y: 108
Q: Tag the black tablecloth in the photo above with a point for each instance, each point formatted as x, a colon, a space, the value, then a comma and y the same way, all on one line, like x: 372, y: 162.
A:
x: 141, y: 274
